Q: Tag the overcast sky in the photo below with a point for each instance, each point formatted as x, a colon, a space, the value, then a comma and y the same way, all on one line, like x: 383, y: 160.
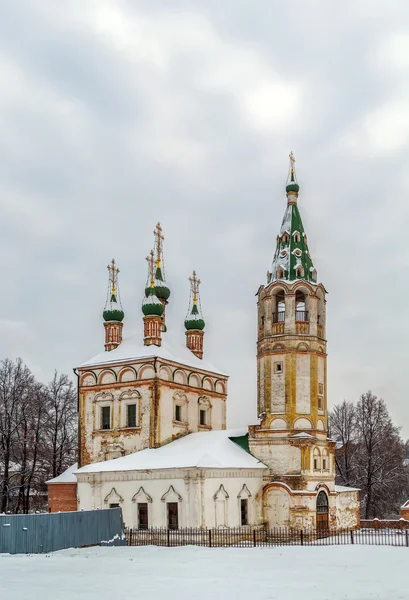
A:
x: 116, y: 114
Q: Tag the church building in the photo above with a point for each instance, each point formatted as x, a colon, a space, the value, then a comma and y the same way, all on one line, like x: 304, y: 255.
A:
x: 152, y: 412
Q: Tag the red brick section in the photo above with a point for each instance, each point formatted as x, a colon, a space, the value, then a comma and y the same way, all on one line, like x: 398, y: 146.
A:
x: 62, y: 497
x: 405, y: 512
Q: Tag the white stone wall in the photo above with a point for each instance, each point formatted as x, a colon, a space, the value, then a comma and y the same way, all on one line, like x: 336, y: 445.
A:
x: 282, y: 458
x: 303, y: 384
x: 277, y: 384
x: 348, y: 506
x: 110, y: 387
x: 206, y: 498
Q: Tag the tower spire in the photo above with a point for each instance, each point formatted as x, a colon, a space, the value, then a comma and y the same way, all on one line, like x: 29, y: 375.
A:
x: 292, y: 187
x: 194, y: 322
x: 292, y: 260
x: 113, y: 314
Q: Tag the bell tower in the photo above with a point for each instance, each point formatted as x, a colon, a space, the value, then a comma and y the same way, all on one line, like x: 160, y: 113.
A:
x: 291, y: 437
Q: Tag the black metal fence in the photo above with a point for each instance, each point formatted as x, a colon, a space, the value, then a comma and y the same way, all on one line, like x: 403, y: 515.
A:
x: 21, y: 534
x: 259, y: 537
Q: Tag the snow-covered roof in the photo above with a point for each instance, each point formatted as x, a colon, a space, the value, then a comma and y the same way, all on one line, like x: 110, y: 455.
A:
x: 207, y: 450
x: 67, y: 476
x: 344, y: 488
x: 406, y: 505
x: 302, y: 434
x: 132, y: 348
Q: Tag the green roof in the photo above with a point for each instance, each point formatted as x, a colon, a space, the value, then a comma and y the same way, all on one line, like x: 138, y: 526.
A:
x: 113, y: 310
x: 292, y: 260
x: 194, y: 320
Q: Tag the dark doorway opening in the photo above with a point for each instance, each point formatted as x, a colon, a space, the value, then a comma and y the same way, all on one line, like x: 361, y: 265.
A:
x: 322, y: 512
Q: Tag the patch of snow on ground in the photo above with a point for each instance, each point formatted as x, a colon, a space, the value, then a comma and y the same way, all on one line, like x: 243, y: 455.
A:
x: 151, y: 573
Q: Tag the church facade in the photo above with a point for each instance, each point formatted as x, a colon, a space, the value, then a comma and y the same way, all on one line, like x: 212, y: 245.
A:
x: 152, y: 414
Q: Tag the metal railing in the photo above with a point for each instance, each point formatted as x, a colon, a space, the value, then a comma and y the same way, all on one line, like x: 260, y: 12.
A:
x: 248, y: 536
x: 301, y: 315
x: 279, y: 317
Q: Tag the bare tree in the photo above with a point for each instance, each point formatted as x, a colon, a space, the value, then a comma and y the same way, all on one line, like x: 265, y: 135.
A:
x: 16, y: 386
x: 380, y: 457
x: 370, y: 454
x: 342, y: 427
x: 61, y: 426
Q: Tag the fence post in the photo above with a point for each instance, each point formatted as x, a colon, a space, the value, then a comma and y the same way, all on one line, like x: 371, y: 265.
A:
x: 302, y: 537
x: 352, y: 536
x: 168, y: 532
x: 407, y: 538
x: 210, y: 538
x: 254, y: 538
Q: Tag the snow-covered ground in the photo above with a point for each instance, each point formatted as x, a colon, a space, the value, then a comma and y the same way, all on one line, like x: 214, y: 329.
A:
x: 284, y: 573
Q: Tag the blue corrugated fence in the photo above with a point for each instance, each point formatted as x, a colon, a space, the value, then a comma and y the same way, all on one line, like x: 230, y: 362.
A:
x: 33, y: 534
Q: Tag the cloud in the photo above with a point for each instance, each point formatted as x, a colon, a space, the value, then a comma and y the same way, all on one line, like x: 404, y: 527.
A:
x: 117, y: 115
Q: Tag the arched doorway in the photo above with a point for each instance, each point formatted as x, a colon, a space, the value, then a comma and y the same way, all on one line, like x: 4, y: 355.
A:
x: 322, y: 511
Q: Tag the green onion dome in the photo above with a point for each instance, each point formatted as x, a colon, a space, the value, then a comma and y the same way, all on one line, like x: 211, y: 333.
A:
x: 113, y: 311
x: 194, y: 320
x: 151, y: 305
x: 161, y: 289
x: 292, y: 187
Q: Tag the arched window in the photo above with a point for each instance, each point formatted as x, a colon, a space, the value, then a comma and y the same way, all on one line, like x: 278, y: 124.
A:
x: 280, y: 273
x: 297, y: 237
x: 317, y: 459
x: 279, y: 307
x: 285, y: 238
x: 299, y: 271
x: 301, y: 313
x: 322, y: 511
x: 325, y: 460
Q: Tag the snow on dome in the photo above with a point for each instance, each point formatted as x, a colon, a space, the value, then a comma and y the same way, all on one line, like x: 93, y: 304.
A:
x: 132, y: 348
x: 67, y: 476
x: 208, y: 449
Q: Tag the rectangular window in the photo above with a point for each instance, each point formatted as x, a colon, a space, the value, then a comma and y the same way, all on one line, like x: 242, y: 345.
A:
x: 324, y: 464
x: 244, y: 511
x: 173, y: 515
x: 114, y: 505
x: 320, y: 388
x: 278, y: 367
x: 202, y: 414
x: 106, y: 417
x: 315, y: 464
x: 178, y: 413
x: 143, y: 515
x: 131, y: 415
x: 320, y: 403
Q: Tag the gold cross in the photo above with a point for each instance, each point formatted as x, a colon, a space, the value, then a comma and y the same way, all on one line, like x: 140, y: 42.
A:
x: 151, y: 262
x: 113, y: 275
x: 158, y: 239
x: 292, y: 161
x: 194, y: 284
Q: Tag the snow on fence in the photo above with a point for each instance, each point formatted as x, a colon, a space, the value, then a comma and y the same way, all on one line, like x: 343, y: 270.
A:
x: 247, y: 536
x: 385, y: 524
x: 33, y: 534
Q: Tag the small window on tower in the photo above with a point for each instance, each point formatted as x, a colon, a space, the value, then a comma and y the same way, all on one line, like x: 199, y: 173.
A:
x: 299, y: 272
x: 297, y: 237
x: 320, y: 388
x: 320, y: 403
x: 262, y: 321
x: 278, y: 367
x: 178, y: 412
x: 280, y: 274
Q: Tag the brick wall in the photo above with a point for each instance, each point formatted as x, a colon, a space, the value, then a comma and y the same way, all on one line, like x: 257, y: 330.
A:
x: 62, y: 497
x: 405, y: 513
x: 391, y: 524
